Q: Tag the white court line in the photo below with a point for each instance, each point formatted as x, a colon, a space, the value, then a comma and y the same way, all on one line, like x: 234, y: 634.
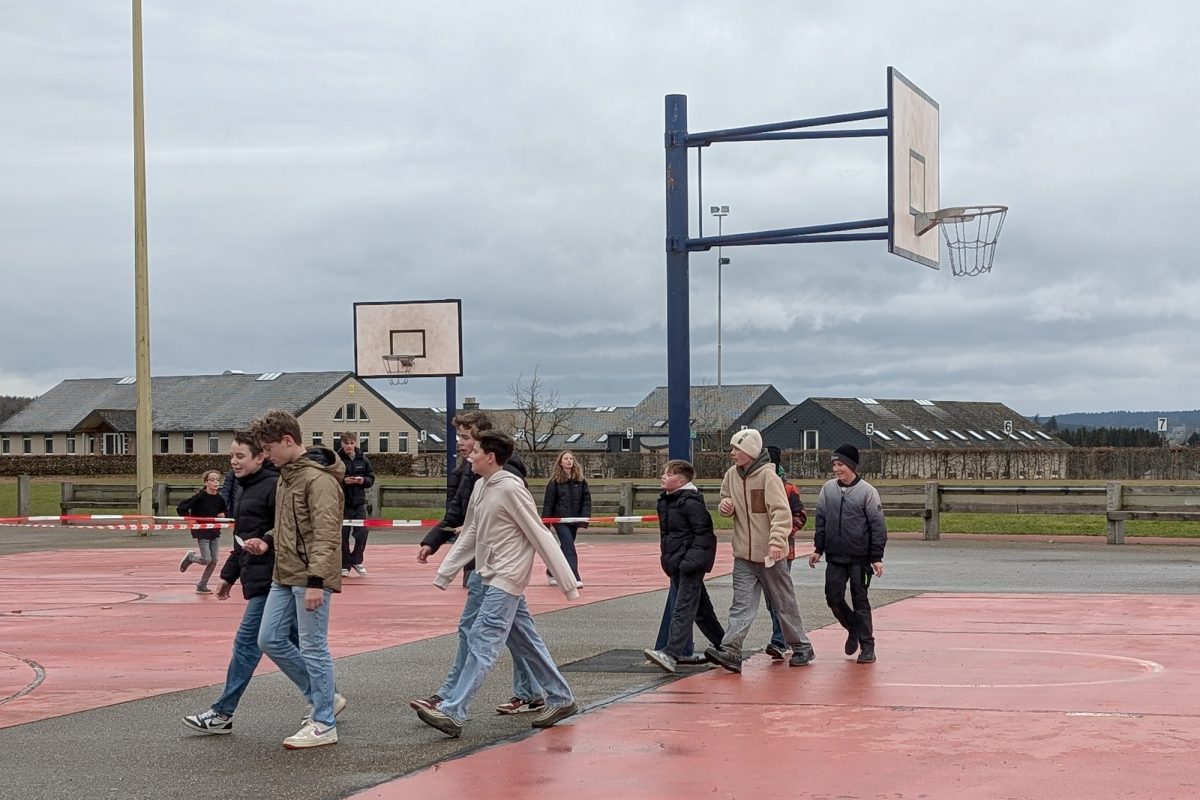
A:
x: 1150, y: 668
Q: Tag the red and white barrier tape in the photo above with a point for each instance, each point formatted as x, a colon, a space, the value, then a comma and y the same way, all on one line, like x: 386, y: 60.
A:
x: 142, y: 522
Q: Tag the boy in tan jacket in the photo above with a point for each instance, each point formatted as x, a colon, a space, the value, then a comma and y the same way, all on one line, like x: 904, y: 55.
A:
x: 753, y: 494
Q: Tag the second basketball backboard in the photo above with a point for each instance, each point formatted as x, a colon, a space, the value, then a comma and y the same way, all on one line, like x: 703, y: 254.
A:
x: 423, y: 338
x: 913, y: 169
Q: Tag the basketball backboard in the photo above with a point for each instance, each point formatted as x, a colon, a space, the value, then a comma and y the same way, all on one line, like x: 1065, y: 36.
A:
x: 913, y: 169
x: 427, y: 332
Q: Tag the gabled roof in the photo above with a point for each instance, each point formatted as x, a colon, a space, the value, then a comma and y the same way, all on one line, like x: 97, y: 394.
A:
x: 930, y: 417
x: 584, y: 426
x: 769, y: 415
x: 181, y: 402
x: 725, y: 403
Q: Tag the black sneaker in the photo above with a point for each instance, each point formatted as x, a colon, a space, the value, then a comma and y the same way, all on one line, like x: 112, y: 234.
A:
x: 721, y: 658
x: 554, y: 715
x: 852, y: 643
x: 436, y: 718
x: 802, y: 657
x: 867, y: 656
x: 209, y: 722
x: 776, y: 652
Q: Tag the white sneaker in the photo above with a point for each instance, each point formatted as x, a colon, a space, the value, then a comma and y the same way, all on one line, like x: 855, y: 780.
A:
x: 579, y: 584
x: 361, y: 570
x: 339, y: 705
x: 311, y: 735
x: 345, y: 572
x: 551, y: 581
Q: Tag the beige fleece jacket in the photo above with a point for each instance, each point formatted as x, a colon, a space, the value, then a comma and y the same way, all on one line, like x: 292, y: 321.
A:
x: 761, y: 514
x: 502, y: 531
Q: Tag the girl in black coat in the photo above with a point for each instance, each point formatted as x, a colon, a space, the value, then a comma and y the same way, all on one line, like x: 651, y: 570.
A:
x: 206, y: 503
x: 567, y: 495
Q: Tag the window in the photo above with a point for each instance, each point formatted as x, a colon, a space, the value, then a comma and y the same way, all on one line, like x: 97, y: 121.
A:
x: 340, y: 414
x: 49, y: 445
x: 883, y: 436
x: 920, y: 435
x: 115, y: 444
x: 5, y: 445
x: 976, y: 435
x: 214, y: 442
x: 362, y: 415
x: 574, y: 437
x: 27, y: 444
x: 995, y: 436
x: 383, y: 441
x: 164, y: 443
x: 602, y: 438
x: 337, y: 439
x: 351, y: 412
x: 1039, y: 433
x: 812, y: 440
x: 364, y: 441
x: 90, y: 442
x: 545, y: 437
x: 189, y: 443
x: 70, y: 444
x: 958, y: 435
x: 903, y: 435
x: 658, y: 423
x: 626, y: 444
x: 941, y: 435
x: 318, y: 438
x: 867, y: 401
x: 402, y: 444
x: 436, y: 438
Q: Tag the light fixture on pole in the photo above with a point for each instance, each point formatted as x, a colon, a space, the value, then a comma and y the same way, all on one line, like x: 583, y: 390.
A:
x: 720, y: 212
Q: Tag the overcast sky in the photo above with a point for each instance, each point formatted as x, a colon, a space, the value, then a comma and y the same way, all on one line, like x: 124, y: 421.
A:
x: 305, y: 155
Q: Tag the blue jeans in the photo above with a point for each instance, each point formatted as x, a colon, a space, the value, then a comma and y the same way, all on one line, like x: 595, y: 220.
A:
x: 776, y: 630
x: 524, y: 684
x: 309, y: 666
x: 246, y: 655
x: 503, y: 618
x: 664, y: 627
x: 566, y: 540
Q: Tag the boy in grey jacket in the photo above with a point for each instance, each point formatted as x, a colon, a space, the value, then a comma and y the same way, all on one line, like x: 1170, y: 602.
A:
x: 852, y: 534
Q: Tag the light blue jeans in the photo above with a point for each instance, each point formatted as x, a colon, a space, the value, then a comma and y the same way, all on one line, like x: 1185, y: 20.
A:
x: 503, y: 618
x: 524, y: 684
x: 246, y: 655
x: 310, y: 666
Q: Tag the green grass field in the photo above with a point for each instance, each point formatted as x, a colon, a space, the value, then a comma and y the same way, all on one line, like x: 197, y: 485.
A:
x: 45, y: 498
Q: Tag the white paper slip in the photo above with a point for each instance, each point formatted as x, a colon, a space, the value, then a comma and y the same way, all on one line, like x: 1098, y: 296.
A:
x: 241, y: 542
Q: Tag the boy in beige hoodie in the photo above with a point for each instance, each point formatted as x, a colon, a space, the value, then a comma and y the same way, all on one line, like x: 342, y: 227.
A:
x: 501, y: 532
x: 753, y: 494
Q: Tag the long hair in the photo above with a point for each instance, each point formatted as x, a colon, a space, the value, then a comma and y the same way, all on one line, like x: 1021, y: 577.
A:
x: 560, y: 475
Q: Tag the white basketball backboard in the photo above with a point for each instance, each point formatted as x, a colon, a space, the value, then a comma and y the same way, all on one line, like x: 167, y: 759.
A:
x: 913, y: 169
x: 428, y: 331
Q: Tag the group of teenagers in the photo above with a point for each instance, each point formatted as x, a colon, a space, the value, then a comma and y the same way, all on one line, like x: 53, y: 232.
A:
x: 288, y: 513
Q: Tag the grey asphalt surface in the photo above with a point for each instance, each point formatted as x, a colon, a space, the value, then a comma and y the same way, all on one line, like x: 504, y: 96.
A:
x: 140, y: 749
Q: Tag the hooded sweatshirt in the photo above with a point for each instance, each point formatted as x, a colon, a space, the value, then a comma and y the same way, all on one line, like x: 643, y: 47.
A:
x: 762, y: 517
x: 501, y: 533
x: 308, y: 521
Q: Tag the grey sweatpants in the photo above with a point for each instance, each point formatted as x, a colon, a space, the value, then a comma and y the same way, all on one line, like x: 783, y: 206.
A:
x: 750, y: 580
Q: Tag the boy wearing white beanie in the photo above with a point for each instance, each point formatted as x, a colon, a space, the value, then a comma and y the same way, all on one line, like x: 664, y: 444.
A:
x: 753, y: 494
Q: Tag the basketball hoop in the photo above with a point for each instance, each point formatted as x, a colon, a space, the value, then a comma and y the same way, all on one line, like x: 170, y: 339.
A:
x: 970, y: 233
x: 398, y: 368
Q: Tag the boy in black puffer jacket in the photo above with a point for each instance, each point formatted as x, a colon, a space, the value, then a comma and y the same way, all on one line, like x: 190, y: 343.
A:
x: 252, y: 562
x: 689, y: 549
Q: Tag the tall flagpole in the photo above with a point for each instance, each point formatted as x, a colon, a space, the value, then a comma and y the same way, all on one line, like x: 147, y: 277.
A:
x: 141, y: 282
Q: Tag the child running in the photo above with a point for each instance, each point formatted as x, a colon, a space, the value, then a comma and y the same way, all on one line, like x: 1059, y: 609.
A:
x: 206, y: 503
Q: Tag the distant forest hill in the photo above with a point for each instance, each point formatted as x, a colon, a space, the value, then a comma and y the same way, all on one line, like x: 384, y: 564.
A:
x: 1123, y: 419
x: 10, y: 405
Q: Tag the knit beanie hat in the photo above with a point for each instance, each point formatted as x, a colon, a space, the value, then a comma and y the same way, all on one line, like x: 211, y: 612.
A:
x: 848, y: 455
x: 749, y: 441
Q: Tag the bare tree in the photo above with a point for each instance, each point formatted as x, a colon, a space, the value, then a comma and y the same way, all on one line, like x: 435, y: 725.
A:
x: 708, y: 418
x: 538, y: 413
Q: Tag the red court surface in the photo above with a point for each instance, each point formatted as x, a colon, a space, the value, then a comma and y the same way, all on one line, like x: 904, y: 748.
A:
x: 91, y: 628
x: 974, y: 696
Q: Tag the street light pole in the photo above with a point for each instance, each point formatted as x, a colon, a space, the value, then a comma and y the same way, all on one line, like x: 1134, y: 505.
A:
x: 720, y: 212
x: 143, y: 421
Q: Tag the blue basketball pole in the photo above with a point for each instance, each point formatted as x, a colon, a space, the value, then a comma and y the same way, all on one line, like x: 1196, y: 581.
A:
x: 451, y: 433
x: 679, y: 372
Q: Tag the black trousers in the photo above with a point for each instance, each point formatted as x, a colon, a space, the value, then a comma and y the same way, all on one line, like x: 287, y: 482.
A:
x: 692, y: 605
x: 857, y: 619
x: 352, y: 556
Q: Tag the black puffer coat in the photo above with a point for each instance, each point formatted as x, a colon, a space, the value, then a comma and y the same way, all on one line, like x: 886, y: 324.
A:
x: 567, y: 499
x: 355, y: 494
x: 254, y: 517
x: 687, y: 541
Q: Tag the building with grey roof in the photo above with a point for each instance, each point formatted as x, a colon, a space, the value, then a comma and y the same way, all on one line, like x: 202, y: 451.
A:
x: 200, y: 413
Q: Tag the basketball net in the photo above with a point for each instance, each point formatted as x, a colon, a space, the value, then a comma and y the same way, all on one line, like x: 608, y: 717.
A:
x: 971, y: 234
